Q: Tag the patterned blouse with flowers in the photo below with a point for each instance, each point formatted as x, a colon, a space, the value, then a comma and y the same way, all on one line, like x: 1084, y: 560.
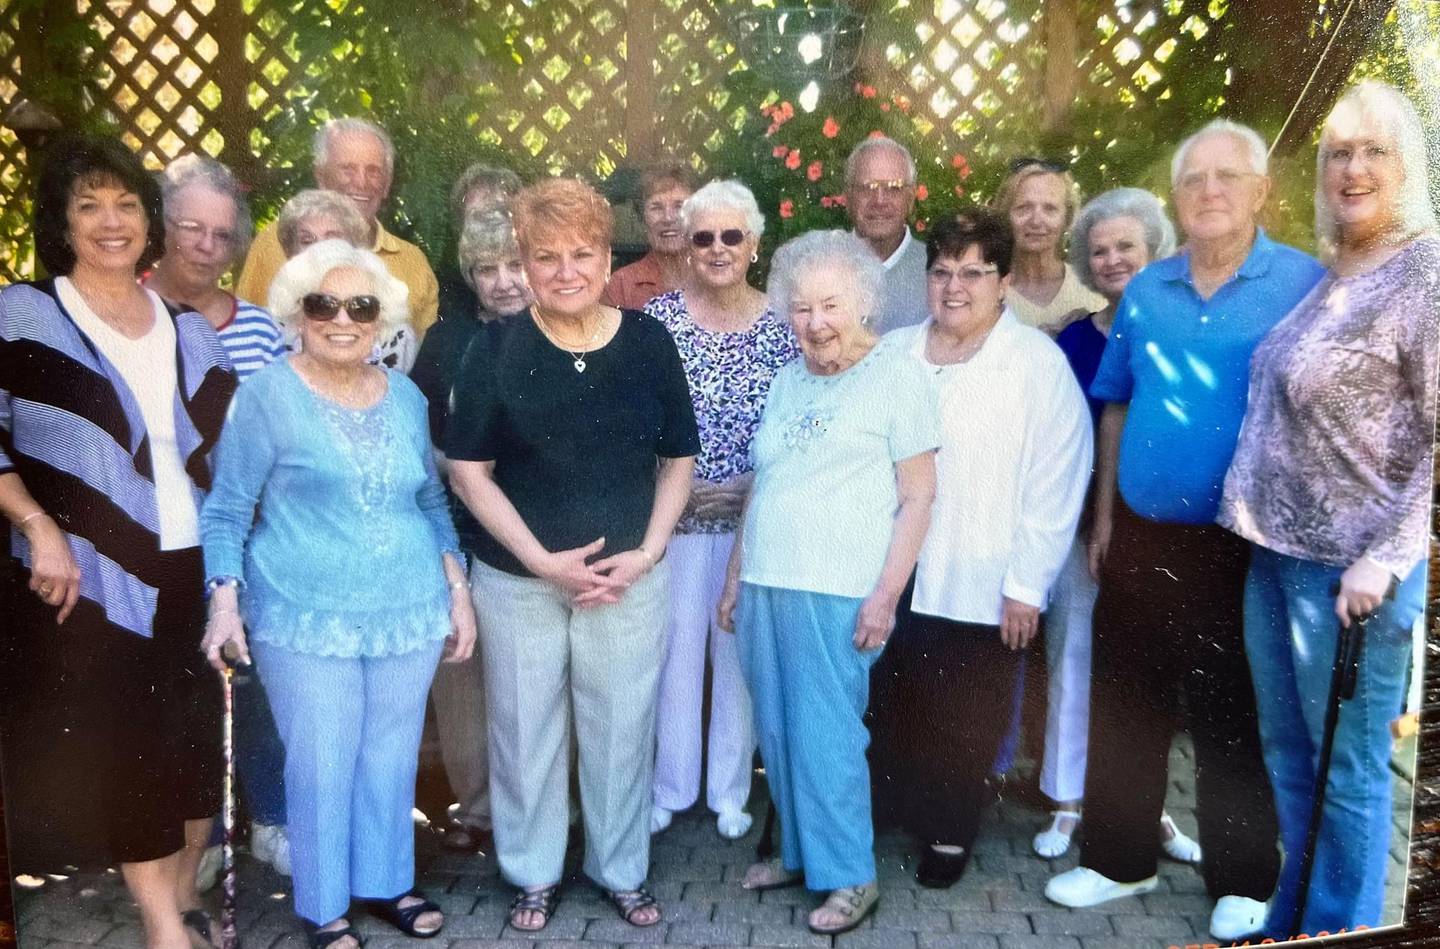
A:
x: 729, y: 376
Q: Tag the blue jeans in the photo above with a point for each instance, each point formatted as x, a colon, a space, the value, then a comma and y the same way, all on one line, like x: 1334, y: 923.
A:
x: 1290, y: 637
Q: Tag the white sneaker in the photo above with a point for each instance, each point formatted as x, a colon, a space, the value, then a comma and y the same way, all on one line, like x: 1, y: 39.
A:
x: 660, y: 818
x: 207, y: 874
x: 733, y: 825
x: 1176, y: 844
x: 1082, y: 887
x: 1236, y: 917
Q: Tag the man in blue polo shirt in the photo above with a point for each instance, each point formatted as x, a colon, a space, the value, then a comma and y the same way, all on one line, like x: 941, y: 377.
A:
x: 1175, y: 377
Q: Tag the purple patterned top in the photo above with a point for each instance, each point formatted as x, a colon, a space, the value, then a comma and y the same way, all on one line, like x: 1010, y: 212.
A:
x: 729, y: 376
x: 1334, y: 458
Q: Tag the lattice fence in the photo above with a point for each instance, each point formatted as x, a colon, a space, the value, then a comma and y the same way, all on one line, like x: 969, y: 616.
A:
x: 599, y: 81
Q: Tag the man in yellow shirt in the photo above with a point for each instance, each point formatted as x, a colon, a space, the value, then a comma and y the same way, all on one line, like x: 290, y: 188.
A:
x: 357, y: 159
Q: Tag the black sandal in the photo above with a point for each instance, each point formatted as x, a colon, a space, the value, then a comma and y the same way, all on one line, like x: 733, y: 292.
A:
x: 629, y: 902
x: 542, y: 901
x: 403, y: 917
x: 320, y: 940
x: 200, y: 922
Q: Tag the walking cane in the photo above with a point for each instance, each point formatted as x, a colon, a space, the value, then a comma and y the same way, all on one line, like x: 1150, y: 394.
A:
x: 229, y: 939
x: 1342, y: 688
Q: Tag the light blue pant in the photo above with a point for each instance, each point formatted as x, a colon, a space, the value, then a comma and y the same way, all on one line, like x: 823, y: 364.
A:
x: 1290, y: 636
x: 351, y: 729
x: 810, y: 686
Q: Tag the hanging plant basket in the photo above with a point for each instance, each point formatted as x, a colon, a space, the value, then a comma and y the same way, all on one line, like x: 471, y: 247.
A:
x: 799, y: 42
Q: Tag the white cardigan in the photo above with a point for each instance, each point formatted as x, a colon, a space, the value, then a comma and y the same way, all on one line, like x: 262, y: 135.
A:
x: 1012, y: 473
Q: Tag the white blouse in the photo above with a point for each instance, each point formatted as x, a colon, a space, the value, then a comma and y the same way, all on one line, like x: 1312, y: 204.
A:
x: 1011, y: 475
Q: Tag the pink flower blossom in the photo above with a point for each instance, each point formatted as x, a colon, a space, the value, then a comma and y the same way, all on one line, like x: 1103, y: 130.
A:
x: 792, y: 160
x: 779, y: 151
x: 814, y: 171
x: 831, y: 128
x: 921, y: 193
x: 787, y: 208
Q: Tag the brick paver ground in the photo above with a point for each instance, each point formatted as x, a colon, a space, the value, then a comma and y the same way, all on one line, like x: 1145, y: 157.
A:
x: 998, y: 905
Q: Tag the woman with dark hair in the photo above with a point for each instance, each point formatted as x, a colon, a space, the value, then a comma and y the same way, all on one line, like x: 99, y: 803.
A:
x: 109, y: 405
x: 1001, y: 526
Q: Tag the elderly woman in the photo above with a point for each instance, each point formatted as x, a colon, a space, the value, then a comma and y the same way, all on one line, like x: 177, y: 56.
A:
x: 663, y: 189
x: 342, y: 581
x: 479, y: 189
x: 1002, y: 522
x: 1168, y: 618
x: 317, y: 215
x: 844, y: 461
x: 490, y: 263
x: 207, y: 230
x: 572, y: 441
x: 111, y: 404
x: 731, y: 346
x: 1331, y: 485
x: 1115, y: 236
x: 1040, y: 198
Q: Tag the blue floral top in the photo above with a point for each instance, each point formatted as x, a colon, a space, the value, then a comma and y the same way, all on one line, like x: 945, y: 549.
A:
x: 344, y: 557
x: 729, y: 376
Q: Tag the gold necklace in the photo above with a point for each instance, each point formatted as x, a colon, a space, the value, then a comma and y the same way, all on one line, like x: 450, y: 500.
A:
x: 579, y: 356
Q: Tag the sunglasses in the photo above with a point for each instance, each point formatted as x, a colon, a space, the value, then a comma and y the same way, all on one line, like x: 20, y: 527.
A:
x: 322, y: 306
x: 730, y: 237
x: 1027, y: 161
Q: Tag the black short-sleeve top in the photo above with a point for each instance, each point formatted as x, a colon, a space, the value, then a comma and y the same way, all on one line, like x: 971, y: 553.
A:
x: 575, y: 452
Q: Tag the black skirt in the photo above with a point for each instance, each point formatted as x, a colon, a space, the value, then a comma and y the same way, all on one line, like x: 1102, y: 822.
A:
x: 109, y: 741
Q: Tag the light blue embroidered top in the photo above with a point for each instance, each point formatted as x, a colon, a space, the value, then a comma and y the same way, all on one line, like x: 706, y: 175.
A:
x: 344, y: 558
x: 822, y: 508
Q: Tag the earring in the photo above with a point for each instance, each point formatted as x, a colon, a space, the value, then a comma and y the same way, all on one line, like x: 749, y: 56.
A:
x: 754, y: 257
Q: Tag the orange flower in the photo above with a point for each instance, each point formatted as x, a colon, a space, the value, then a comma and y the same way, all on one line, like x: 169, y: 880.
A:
x: 787, y: 110
x: 867, y: 92
x: 920, y: 226
x: 826, y: 201
x: 921, y: 193
x: 831, y: 128
x: 779, y: 151
x: 792, y: 160
x: 903, y: 104
x: 961, y: 164
x: 839, y: 200
x: 884, y: 107
x: 876, y: 134
x: 959, y: 191
x: 787, y: 208
x: 814, y: 171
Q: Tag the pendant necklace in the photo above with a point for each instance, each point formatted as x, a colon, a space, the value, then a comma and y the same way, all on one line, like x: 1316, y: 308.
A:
x: 579, y: 357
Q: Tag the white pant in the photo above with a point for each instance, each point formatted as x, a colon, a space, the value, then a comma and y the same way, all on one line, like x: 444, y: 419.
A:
x: 1067, y: 654
x: 697, y: 577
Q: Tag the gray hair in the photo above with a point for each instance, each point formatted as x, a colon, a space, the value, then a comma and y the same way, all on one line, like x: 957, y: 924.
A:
x: 314, y: 201
x: 1249, y: 139
x: 502, y: 181
x: 1387, y: 110
x: 1134, y: 203
x: 303, y: 274
x: 487, y: 238
x: 840, y: 249
x: 190, y: 170
x: 728, y: 195
x: 872, y: 143
x: 320, y: 145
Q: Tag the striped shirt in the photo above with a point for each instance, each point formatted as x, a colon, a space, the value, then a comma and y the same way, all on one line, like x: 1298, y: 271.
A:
x: 73, y: 431
x: 251, y: 339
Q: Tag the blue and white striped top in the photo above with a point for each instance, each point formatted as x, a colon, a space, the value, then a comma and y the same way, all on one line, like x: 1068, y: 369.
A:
x: 251, y: 339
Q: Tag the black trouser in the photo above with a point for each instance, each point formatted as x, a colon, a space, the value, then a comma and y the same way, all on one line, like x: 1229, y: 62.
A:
x: 1169, y: 618
x: 946, y: 694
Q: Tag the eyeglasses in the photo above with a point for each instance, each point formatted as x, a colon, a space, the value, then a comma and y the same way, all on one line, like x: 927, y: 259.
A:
x: 1228, y: 179
x: 323, y: 306
x: 1028, y: 161
x: 730, y: 237
x: 968, y: 275
x: 892, y: 186
x: 193, y: 231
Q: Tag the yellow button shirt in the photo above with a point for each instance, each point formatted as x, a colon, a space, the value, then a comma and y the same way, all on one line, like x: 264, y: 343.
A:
x: 403, y: 259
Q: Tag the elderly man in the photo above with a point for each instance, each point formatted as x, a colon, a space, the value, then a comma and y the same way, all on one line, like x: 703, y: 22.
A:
x: 879, y: 195
x: 357, y: 159
x: 1168, y: 620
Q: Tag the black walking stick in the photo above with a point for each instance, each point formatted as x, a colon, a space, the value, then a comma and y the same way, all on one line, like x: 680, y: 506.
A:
x: 1348, y: 647
x: 229, y: 939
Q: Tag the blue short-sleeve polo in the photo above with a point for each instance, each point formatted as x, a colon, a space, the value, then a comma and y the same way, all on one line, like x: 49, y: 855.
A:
x: 1182, y: 363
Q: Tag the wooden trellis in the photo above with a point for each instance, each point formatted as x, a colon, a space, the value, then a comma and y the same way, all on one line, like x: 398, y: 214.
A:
x: 601, y: 80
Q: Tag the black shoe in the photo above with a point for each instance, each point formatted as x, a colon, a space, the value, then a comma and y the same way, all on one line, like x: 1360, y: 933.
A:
x: 940, y: 871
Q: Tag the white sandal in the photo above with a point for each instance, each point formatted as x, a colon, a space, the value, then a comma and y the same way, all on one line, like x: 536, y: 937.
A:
x: 1053, y: 842
x: 1177, y: 845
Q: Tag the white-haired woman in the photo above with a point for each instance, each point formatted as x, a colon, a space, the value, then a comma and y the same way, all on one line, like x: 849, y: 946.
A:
x: 316, y: 215
x: 844, y: 461
x: 731, y: 345
x: 1331, y: 485
x: 349, y: 581
x: 1114, y: 237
